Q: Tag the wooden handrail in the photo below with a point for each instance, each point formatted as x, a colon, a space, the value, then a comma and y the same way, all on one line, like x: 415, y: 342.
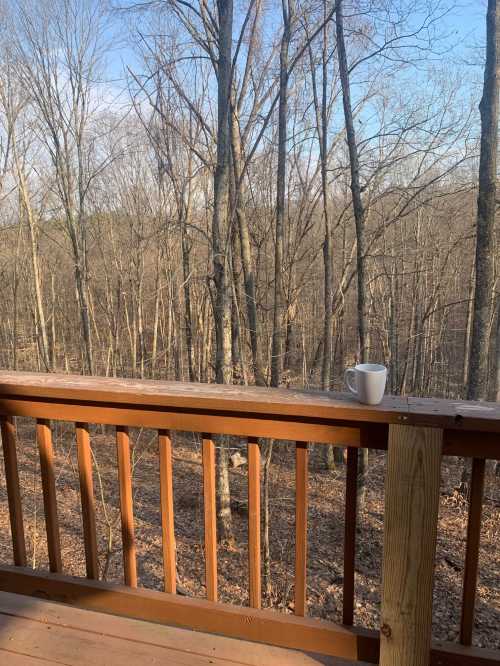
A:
x: 417, y: 432
x: 250, y: 400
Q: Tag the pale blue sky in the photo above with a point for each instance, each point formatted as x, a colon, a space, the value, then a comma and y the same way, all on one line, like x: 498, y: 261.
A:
x: 465, y: 25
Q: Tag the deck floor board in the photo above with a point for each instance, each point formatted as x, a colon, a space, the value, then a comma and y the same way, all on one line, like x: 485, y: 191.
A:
x: 34, y: 631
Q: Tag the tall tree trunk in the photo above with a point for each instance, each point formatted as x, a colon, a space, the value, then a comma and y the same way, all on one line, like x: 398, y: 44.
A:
x: 278, y: 309
x: 220, y: 219
x: 246, y: 255
x: 322, y: 125
x: 81, y: 280
x: 156, y: 319
x: 488, y: 107
x: 43, y: 342
x: 357, y: 201
x: 188, y: 318
x: 220, y: 249
x: 359, y: 218
x: 468, y: 328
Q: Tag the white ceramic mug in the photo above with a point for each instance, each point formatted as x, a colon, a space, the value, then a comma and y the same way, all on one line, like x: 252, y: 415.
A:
x: 369, y: 382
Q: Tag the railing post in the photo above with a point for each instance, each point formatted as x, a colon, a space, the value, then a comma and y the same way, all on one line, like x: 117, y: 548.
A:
x: 411, y: 511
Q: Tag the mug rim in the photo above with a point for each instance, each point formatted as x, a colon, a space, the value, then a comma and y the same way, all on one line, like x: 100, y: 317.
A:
x: 370, y: 367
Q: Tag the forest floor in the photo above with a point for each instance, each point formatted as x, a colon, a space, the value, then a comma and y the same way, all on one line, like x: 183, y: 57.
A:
x: 325, y: 537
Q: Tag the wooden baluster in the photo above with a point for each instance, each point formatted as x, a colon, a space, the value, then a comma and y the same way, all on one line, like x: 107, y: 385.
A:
x: 167, y: 511
x: 13, y: 490
x: 44, y: 438
x: 410, y: 526
x: 254, y: 523
x: 351, y: 501
x: 472, y: 550
x: 210, y: 517
x: 87, y: 499
x: 301, y: 474
x: 127, y: 514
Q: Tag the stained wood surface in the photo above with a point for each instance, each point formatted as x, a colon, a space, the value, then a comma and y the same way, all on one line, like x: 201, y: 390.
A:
x: 262, y: 626
x: 44, y: 439
x: 227, y: 423
x: 210, y: 517
x: 136, y: 642
x: 167, y: 511
x: 126, y: 506
x: 453, y: 414
x: 410, y: 527
x: 256, y: 625
x: 14, y: 659
x: 254, y: 560
x: 13, y: 490
x: 87, y: 499
x: 301, y: 477
x: 472, y: 551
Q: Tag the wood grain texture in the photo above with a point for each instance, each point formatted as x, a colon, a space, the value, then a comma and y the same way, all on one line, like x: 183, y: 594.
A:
x: 453, y: 414
x: 472, y: 550
x: 264, y: 626
x: 230, y: 650
x: 254, y: 560
x: 335, y: 430
x: 8, y: 428
x: 410, y: 526
x: 87, y: 499
x: 301, y: 478
x: 210, y: 516
x: 126, y: 506
x: 44, y: 439
x: 261, y: 626
x: 350, y: 519
x: 167, y: 511
x: 244, y: 424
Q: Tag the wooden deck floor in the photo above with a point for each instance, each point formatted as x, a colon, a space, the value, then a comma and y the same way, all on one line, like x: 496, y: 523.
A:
x: 35, y: 632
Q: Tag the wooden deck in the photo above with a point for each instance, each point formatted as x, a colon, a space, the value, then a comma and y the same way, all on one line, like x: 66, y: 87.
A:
x: 36, y: 632
x: 109, y: 623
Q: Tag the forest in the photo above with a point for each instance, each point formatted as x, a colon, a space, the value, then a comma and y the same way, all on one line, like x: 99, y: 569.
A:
x: 144, y: 235
x: 252, y: 192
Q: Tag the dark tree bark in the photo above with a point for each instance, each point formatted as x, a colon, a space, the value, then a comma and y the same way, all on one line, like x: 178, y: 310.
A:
x: 246, y: 255
x: 321, y: 112
x: 488, y: 107
x: 357, y: 201
x: 221, y: 249
x: 279, y: 301
x: 220, y: 219
x: 359, y: 218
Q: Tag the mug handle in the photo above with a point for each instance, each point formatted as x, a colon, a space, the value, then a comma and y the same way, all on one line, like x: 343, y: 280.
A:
x: 348, y: 373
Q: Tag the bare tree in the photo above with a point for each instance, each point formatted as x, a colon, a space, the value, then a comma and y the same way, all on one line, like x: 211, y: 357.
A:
x: 59, y: 49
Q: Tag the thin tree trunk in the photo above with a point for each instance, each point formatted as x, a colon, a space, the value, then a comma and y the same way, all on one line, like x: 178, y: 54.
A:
x: 246, y: 256
x: 357, y: 202
x: 154, y: 349
x: 188, y: 319
x: 43, y: 341
x: 278, y: 309
x: 359, y: 218
x: 468, y: 328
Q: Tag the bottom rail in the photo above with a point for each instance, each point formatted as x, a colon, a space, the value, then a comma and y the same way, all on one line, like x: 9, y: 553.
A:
x: 264, y: 626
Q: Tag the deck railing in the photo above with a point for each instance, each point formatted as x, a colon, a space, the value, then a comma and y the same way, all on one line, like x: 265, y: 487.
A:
x: 416, y: 432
